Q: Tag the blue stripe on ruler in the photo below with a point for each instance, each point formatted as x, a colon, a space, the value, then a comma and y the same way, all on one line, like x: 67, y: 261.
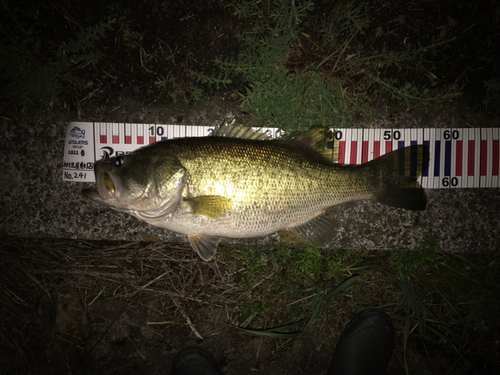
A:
x: 426, y: 172
x: 437, y: 155
x: 164, y: 138
x: 447, y: 158
x: 401, y: 144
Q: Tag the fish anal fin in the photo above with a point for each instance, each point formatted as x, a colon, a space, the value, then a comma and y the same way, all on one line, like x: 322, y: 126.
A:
x: 204, y: 245
x: 212, y: 206
x: 319, y: 231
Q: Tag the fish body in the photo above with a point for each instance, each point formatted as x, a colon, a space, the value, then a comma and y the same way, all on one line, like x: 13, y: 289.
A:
x: 221, y: 186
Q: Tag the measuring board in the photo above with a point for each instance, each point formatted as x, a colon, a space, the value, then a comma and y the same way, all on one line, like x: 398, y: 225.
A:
x: 459, y: 157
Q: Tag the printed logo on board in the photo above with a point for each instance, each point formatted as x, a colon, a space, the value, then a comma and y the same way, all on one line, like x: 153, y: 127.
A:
x: 77, y: 133
x: 108, y: 152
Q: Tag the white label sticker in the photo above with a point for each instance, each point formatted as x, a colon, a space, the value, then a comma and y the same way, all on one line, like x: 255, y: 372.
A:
x: 78, y: 164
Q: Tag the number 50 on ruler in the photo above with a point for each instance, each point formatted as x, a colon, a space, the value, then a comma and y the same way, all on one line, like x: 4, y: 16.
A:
x: 459, y: 157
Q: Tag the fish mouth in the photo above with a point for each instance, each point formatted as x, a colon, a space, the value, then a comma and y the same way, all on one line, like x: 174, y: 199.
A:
x: 108, y: 185
x: 108, y: 189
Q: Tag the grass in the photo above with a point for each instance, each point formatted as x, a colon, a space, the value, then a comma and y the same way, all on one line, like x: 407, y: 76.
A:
x: 293, y: 64
x: 296, y: 77
x: 445, y: 305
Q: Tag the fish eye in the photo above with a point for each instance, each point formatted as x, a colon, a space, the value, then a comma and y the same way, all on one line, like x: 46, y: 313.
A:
x: 119, y: 161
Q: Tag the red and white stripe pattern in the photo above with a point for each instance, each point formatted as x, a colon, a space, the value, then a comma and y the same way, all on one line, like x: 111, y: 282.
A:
x: 459, y: 157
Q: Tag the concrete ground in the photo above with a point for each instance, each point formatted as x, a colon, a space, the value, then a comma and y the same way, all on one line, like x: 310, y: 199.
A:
x: 35, y: 202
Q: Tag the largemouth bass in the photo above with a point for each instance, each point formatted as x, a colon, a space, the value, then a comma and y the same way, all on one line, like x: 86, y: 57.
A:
x: 238, y: 184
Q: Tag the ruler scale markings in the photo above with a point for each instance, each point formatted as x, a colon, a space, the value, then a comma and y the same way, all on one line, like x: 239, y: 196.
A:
x: 135, y: 134
x: 432, y: 164
x: 411, y: 134
x: 347, y: 152
x: 413, y: 160
x: 489, y: 174
x: 140, y: 135
x: 360, y: 149
x: 359, y: 146
x: 152, y: 134
x: 406, y: 134
x: 354, y: 148
x: 453, y: 158
x: 489, y: 157
x: 437, y: 158
x: 437, y: 161
x: 477, y: 158
x: 102, y: 133
x: 371, y: 143
x: 472, y: 154
x: 444, y: 182
x: 396, y: 136
x: 495, y: 158
x: 109, y: 132
x: 342, y: 144
x: 447, y: 157
x: 483, y: 161
x: 116, y: 134
x: 420, y: 140
x: 127, y: 130
x: 459, y: 157
x: 484, y: 157
x: 162, y: 132
x: 376, y: 144
x: 388, y: 146
x: 365, y: 155
x: 465, y: 165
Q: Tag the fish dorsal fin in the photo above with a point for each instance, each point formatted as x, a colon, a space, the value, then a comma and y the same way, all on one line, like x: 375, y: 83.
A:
x: 240, y: 131
x: 319, y: 231
x: 204, y: 245
x: 319, y: 139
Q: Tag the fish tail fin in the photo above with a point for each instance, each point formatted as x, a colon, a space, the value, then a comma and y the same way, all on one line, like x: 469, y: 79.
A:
x: 398, y: 172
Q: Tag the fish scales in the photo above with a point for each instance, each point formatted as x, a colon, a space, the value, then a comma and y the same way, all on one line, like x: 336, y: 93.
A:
x: 272, y: 185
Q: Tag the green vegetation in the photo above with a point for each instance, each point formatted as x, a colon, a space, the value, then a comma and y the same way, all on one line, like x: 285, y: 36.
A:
x: 452, y: 298
x: 294, y: 79
x: 292, y: 63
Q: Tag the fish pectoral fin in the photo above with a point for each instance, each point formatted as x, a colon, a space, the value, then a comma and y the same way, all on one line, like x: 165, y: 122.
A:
x: 205, y: 245
x: 319, y: 231
x: 212, y: 206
